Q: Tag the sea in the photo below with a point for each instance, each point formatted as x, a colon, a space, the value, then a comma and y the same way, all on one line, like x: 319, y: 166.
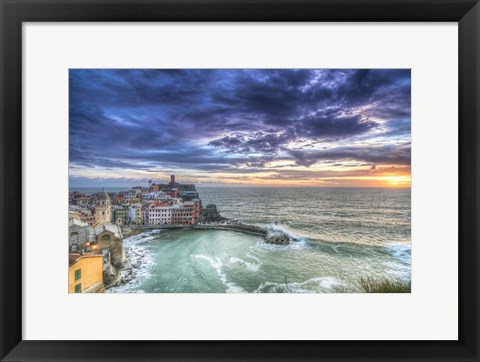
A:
x: 342, y: 235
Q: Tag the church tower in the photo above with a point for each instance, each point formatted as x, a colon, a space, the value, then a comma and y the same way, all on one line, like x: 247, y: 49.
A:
x: 103, y: 209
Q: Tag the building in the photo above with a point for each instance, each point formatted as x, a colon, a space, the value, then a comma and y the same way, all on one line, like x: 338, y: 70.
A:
x: 86, y: 215
x: 154, y: 188
x: 135, y: 214
x: 83, y: 201
x: 133, y: 194
x: 121, y: 215
x: 189, y: 194
x: 182, y: 214
x: 80, y: 235
x: 102, y: 209
x: 159, y: 214
x: 194, y: 207
x: 109, y: 240
x: 85, y: 273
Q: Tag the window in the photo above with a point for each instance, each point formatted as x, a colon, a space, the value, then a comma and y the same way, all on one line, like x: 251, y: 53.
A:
x: 78, y: 274
x: 78, y: 288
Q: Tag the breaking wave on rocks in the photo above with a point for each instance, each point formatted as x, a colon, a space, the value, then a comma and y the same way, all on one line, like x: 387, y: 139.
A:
x: 140, y: 262
x: 296, y: 241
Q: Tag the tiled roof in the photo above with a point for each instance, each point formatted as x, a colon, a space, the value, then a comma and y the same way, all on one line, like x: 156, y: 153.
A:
x: 115, y: 229
x: 76, y: 222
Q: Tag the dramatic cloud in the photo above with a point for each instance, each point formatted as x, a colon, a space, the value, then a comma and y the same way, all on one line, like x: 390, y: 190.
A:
x: 217, y: 124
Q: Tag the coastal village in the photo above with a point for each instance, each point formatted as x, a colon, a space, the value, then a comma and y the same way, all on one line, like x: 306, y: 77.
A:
x: 98, y: 223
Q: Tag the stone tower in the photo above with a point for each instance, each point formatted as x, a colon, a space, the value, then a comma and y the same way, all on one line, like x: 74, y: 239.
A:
x: 103, y: 209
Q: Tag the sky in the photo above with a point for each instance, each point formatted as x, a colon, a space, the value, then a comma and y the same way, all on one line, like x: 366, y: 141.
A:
x: 240, y: 127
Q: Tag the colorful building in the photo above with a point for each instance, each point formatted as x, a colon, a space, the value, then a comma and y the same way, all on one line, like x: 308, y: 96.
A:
x: 85, y: 273
x: 121, y: 215
x: 182, y: 214
x: 135, y: 214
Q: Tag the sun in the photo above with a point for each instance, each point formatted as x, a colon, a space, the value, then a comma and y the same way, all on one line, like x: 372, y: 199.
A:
x: 398, y: 181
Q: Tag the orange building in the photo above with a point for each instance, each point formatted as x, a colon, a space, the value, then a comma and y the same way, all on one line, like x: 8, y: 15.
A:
x: 85, y: 273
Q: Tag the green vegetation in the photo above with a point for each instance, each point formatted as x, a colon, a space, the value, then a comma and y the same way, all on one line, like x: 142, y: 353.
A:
x: 370, y: 285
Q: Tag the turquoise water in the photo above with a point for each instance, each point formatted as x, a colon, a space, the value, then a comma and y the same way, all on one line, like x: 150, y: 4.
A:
x: 344, y: 234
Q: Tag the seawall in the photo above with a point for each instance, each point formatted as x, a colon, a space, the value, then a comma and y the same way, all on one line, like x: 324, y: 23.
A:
x: 276, y: 237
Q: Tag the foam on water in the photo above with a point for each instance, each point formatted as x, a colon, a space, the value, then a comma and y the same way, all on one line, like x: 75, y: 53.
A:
x: 277, y: 227
x: 248, y: 265
x: 313, y: 285
x: 136, y: 255
x: 400, y: 251
x: 294, y: 245
x: 218, y: 266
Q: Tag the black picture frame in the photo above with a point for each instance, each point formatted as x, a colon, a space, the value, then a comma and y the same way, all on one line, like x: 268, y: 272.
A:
x: 15, y: 12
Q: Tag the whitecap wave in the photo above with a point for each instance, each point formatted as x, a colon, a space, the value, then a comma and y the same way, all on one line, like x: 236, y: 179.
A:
x: 253, y: 257
x: 313, y: 285
x: 296, y: 245
x: 248, y: 265
x: 401, y: 265
x: 402, y: 252
x: 140, y: 262
x: 218, y: 266
x: 274, y: 227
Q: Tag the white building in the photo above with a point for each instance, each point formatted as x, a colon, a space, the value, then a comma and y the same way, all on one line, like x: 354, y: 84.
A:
x: 159, y: 215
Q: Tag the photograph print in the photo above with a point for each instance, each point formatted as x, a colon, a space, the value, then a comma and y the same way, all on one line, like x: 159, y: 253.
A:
x: 239, y: 181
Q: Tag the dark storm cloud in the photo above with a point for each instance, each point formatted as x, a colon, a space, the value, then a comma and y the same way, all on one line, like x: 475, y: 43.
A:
x: 328, y: 125
x: 258, y: 142
x: 145, y: 119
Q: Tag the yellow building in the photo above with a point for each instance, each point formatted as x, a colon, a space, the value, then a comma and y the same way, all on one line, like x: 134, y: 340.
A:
x: 85, y: 273
x: 139, y: 217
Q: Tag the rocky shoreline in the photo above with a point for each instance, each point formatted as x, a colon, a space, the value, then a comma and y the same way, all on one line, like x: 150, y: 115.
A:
x: 135, y: 257
x: 138, y: 259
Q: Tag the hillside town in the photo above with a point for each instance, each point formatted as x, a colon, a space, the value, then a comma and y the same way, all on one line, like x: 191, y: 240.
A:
x: 97, y: 223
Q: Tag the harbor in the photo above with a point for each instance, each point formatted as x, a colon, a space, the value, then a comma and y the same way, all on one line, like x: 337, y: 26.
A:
x: 270, y: 235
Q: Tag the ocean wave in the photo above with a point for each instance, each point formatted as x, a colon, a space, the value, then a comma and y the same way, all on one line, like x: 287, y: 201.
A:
x: 140, y: 262
x: 275, y: 227
x: 250, y: 256
x: 401, y: 265
x: 248, y: 265
x: 218, y: 266
x: 143, y: 237
x: 402, y: 252
x: 313, y: 285
x: 294, y: 245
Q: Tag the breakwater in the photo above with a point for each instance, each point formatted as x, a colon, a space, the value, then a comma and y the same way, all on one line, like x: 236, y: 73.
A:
x: 270, y: 236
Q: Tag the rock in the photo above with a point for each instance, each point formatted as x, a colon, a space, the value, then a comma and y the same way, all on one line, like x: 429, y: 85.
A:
x: 278, y: 239
x: 111, y: 276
